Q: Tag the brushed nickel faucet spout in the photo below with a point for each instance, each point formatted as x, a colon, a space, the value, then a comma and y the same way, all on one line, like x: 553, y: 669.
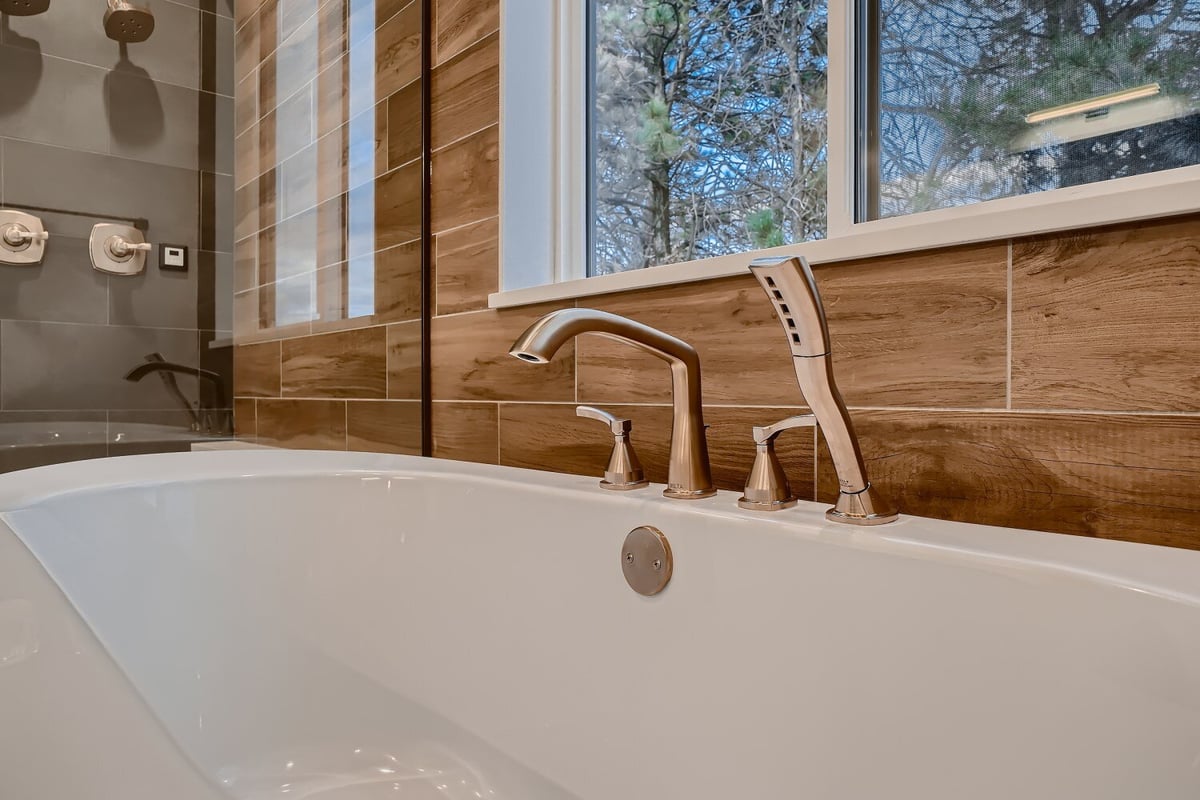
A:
x: 689, y: 476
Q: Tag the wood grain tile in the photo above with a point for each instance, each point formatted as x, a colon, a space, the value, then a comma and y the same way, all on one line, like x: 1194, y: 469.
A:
x: 552, y: 437
x: 245, y: 210
x: 1112, y: 476
x: 744, y: 356
x: 465, y: 432
x: 245, y: 102
x: 385, y: 426
x: 467, y: 266
x: 466, y: 181
x: 256, y: 370
x: 404, y: 360
x: 1107, y: 319
x: 471, y: 361
x: 398, y: 51
x: 398, y: 206
x: 460, y: 23
x: 398, y: 283
x: 347, y: 364
x: 303, y: 424
x: 923, y: 329
x: 466, y: 92
x: 245, y: 156
x: 245, y: 418
x: 404, y: 125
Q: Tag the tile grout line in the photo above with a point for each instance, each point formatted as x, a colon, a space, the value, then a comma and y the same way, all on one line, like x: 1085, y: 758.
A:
x: 1009, y: 332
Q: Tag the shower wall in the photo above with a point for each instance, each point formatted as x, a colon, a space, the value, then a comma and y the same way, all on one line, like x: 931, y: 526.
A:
x: 102, y: 132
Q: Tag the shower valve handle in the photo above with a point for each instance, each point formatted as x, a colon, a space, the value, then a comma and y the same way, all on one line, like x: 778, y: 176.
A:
x: 16, y: 235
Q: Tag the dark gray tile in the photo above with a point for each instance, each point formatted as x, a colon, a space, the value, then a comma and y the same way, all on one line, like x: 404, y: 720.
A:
x: 171, y: 125
x: 51, y: 100
x: 72, y: 29
x: 216, y: 222
x: 92, y: 183
x: 154, y: 299
x: 220, y: 49
x: 216, y: 355
x: 63, y: 288
x: 222, y: 127
x: 46, y: 365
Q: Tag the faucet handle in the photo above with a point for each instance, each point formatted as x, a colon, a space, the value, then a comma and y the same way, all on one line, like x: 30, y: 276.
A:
x: 766, y: 434
x: 767, y: 488
x: 619, y: 426
x: 624, y: 471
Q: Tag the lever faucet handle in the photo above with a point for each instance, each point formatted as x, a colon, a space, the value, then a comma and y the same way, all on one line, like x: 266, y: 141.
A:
x: 616, y: 424
x: 624, y: 471
x: 766, y: 434
x: 16, y: 235
x: 767, y: 488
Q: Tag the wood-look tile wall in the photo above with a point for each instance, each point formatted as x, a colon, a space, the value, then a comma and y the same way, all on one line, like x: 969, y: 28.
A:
x: 328, y: 213
x: 1049, y: 382
x: 1046, y: 382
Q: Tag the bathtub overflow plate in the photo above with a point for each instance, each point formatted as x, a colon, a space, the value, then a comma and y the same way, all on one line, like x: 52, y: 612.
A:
x: 646, y: 560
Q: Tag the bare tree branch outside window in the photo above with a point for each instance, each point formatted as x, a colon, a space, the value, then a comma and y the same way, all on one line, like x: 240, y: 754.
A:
x: 709, y: 116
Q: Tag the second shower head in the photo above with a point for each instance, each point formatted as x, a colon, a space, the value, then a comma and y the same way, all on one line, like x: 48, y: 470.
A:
x: 124, y: 21
x: 23, y: 8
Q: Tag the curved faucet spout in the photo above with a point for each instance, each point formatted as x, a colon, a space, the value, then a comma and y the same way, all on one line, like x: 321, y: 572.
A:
x: 689, y: 475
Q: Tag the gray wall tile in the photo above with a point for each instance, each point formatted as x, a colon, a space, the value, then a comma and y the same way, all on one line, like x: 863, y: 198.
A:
x: 63, y: 288
x: 52, y: 100
x: 39, y: 175
x: 45, y: 365
x: 74, y: 29
x: 156, y: 298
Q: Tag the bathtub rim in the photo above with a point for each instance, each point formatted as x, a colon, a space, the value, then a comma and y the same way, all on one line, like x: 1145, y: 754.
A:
x: 1170, y: 573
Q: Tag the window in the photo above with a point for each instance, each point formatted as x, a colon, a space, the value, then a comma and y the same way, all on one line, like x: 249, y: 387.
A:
x: 965, y: 101
x: 707, y: 128
x: 683, y: 134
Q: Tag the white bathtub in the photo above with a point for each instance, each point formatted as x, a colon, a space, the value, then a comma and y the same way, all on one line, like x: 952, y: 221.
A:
x: 344, y: 626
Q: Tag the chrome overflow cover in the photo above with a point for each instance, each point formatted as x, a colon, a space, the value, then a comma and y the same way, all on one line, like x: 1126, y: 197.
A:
x: 646, y: 560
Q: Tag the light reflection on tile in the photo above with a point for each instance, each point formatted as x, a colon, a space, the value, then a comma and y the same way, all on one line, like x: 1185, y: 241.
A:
x: 362, y: 143
x: 295, y: 300
x: 294, y: 124
x: 296, y: 245
x: 297, y: 183
x: 361, y: 279
x: 360, y: 224
x: 296, y: 59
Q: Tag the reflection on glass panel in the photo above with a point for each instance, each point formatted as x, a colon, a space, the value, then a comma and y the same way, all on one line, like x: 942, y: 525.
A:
x: 980, y: 99
x: 325, y: 151
x: 708, y: 128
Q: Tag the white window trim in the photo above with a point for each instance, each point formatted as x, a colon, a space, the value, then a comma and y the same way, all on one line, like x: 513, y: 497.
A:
x: 543, y: 177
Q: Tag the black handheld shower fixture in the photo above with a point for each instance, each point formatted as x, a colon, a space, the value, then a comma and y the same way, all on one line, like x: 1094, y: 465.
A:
x: 123, y: 21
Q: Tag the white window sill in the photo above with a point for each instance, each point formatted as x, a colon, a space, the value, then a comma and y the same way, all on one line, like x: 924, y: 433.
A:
x: 1139, y: 197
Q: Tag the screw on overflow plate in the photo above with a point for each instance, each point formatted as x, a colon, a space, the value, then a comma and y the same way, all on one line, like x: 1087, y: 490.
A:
x: 647, y: 562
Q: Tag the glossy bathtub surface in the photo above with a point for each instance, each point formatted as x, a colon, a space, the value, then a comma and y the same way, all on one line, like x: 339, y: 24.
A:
x: 345, y: 626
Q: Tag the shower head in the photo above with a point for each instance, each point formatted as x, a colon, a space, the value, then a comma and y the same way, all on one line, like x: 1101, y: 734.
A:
x: 124, y: 21
x: 23, y: 8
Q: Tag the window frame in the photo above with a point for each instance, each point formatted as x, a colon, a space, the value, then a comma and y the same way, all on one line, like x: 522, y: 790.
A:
x: 544, y: 175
